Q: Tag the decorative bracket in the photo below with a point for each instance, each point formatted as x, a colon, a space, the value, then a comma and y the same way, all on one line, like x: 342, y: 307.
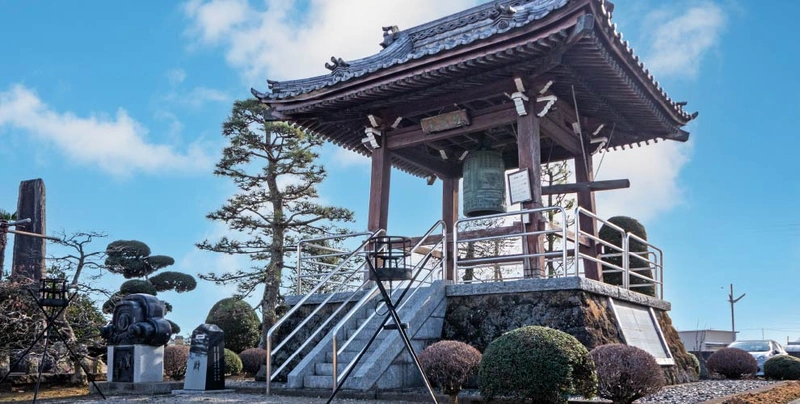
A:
x: 370, y: 139
x: 550, y: 99
x: 518, y: 98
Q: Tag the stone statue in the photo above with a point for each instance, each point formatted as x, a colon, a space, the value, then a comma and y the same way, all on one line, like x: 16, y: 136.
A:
x: 138, y: 320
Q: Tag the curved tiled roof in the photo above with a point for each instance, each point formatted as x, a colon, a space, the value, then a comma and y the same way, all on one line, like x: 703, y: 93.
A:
x: 573, y: 42
x: 428, y: 39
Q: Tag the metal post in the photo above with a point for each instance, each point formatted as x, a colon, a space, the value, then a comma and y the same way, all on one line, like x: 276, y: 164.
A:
x: 732, y: 302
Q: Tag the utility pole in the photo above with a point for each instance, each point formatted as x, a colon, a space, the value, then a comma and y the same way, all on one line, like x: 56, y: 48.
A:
x: 732, y: 301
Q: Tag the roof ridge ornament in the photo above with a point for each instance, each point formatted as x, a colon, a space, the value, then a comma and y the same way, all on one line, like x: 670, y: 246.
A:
x: 389, y: 35
x: 504, y: 15
x: 337, y: 65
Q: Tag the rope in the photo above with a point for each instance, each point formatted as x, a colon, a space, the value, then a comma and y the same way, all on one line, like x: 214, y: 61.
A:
x: 605, y: 150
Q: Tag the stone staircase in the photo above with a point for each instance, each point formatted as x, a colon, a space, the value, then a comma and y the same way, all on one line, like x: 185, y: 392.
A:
x: 386, y: 364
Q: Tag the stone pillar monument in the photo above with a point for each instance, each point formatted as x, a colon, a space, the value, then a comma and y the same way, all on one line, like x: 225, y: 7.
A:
x: 29, y: 252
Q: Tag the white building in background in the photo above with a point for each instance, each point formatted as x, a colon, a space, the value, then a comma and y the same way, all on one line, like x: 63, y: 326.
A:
x: 705, y: 340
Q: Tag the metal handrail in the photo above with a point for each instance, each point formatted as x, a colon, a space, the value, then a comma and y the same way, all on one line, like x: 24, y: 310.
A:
x: 356, y: 308
x: 299, y: 304
x: 624, y: 252
x: 560, y: 232
x: 301, y: 258
x: 658, y: 270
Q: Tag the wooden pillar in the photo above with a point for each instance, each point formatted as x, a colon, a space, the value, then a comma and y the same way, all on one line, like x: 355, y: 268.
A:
x: 529, y: 153
x: 584, y: 172
x: 450, y: 217
x: 379, y: 187
x: 29, y: 252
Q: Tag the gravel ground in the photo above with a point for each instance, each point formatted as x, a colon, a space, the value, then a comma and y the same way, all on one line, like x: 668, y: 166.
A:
x: 681, y: 394
x: 702, y: 391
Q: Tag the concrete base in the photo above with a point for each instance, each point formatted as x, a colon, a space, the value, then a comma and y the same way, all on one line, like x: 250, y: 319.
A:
x: 147, y: 362
x: 119, y: 389
x: 203, y: 391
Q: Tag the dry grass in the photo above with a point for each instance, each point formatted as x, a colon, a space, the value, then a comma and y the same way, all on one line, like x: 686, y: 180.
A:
x: 45, y: 392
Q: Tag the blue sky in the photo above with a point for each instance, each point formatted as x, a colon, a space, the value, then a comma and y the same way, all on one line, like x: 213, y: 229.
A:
x: 118, y: 106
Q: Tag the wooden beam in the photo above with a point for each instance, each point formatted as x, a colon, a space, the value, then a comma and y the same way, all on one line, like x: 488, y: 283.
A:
x: 430, y: 163
x: 584, y: 173
x: 449, y: 217
x: 480, y: 122
x: 585, y: 187
x: 530, y: 158
x: 561, y: 136
x: 481, y: 92
x: 378, y: 216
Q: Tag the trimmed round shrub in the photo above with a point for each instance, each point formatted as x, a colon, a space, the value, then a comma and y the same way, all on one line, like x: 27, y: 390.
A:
x: 233, y: 365
x: 610, y: 235
x: 252, y: 359
x: 172, y: 280
x: 137, y: 286
x: 239, y: 322
x: 782, y: 367
x: 536, y: 363
x: 733, y: 363
x: 175, y: 358
x: 448, y: 364
x: 626, y: 373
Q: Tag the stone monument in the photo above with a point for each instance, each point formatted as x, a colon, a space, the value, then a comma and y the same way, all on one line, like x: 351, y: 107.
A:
x: 205, y: 369
x: 136, y: 337
x: 29, y: 252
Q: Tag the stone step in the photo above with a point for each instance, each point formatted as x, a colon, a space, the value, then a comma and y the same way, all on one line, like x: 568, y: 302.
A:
x: 318, y: 382
x: 326, y: 369
x: 344, y: 357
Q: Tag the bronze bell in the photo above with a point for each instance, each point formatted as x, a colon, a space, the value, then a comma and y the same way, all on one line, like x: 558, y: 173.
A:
x: 484, y: 183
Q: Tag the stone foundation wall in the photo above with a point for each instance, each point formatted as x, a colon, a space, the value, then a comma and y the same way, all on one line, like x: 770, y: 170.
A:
x: 477, y: 314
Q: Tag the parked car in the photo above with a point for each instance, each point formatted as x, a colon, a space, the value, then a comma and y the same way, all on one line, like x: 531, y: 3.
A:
x: 761, y: 349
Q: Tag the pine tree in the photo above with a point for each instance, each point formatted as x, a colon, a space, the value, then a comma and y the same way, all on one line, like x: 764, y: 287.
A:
x: 132, y: 259
x: 273, y: 166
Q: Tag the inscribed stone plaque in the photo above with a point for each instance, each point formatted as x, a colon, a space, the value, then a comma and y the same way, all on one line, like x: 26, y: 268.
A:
x: 123, y: 364
x: 205, y: 369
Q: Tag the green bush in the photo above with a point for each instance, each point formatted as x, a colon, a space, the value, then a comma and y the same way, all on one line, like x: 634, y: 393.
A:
x: 137, y: 286
x: 626, y: 373
x: 448, y: 364
x: 239, y: 322
x: 695, y: 362
x: 613, y: 236
x: 733, y: 363
x: 233, y: 365
x: 782, y: 367
x: 537, y: 363
x: 252, y: 359
x: 175, y: 358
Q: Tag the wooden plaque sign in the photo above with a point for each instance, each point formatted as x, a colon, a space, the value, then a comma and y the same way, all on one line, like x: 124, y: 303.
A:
x: 443, y: 122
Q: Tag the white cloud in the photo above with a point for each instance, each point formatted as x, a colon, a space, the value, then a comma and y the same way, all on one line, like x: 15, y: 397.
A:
x: 679, y: 42
x: 346, y: 158
x: 176, y: 76
x: 116, y: 144
x: 271, y: 42
x: 198, y: 96
x: 653, y: 171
